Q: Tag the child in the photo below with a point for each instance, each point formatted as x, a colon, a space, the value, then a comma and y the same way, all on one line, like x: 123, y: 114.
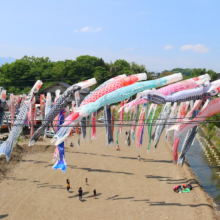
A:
x: 94, y: 193
x: 80, y: 193
x: 139, y: 157
x: 117, y: 148
x: 86, y: 181
x: 189, y: 186
x: 68, y: 185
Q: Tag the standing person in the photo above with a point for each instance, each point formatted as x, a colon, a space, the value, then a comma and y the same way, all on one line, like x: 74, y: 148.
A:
x: 68, y: 185
x: 94, y: 191
x: 139, y: 157
x: 86, y: 181
x: 71, y: 144
x: 80, y: 193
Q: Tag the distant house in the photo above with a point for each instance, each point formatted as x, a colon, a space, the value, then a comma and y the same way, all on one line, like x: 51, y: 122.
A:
x: 62, y: 86
x: 154, y: 76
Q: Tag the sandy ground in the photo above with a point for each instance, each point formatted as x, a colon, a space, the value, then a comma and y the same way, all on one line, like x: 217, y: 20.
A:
x: 126, y: 188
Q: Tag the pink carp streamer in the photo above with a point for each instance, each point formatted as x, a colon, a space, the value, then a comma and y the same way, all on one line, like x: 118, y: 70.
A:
x: 167, y: 90
x: 207, y: 111
x: 94, y: 118
x: 182, y: 112
x: 126, y: 81
x: 140, y: 123
x: 121, y: 117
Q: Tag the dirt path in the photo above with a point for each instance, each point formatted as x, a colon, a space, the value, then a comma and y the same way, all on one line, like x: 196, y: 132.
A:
x: 126, y: 188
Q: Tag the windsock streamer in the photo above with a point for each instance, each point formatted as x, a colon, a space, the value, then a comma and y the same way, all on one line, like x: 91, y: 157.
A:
x: 146, y: 112
x: 121, y: 117
x: 113, y: 120
x: 48, y: 106
x: 160, y: 127
x: 94, y: 119
x: 188, y: 141
x: 151, y: 113
x: 134, y: 123
x: 140, y: 124
x: 7, y: 147
x: 61, y: 163
x: 90, y: 127
x: 171, y: 118
x: 170, y: 89
x: 12, y: 108
x: 117, y: 96
x: 55, y: 121
x: 109, y: 132
x: 2, y: 106
x: 78, y: 128
x: 158, y: 121
x: 42, y: 106
x: 32, y: 116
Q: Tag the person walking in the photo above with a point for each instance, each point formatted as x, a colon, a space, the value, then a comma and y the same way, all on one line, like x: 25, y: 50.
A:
x: 80, y: 193
x: 94, y: 191
x: 68, y: 185
x: 86, y: 181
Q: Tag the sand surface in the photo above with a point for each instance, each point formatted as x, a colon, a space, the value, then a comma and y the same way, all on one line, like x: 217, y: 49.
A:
x: 126, y: 188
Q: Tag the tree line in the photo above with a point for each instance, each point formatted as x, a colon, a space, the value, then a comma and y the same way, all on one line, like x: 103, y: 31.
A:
x: 18, y: 77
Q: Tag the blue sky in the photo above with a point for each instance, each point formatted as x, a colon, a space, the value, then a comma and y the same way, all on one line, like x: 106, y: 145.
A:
x: 161, y: 34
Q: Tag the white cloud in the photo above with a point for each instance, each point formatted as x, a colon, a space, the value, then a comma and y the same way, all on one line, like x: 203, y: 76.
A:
x: 198, y: 48
x: 90, y: 29
x: 129, y: 49
x: 168, y: 47
x: 75, y: 31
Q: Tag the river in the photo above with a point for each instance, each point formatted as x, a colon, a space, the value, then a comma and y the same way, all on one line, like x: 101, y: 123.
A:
x: 205, y: 163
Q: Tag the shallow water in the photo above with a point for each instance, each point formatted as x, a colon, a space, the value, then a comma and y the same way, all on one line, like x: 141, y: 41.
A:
x: 205, y: 165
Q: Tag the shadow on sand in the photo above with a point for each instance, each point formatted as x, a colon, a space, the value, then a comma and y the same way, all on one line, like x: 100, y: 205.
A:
x: 162, y: 203
x: 3, y: 216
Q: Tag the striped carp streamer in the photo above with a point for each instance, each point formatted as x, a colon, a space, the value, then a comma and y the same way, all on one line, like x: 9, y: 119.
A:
x: 203, y: 92
x: 160, y: 127
x: 7, y: 147
x: 114, y: 97
x: 57, y: 108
